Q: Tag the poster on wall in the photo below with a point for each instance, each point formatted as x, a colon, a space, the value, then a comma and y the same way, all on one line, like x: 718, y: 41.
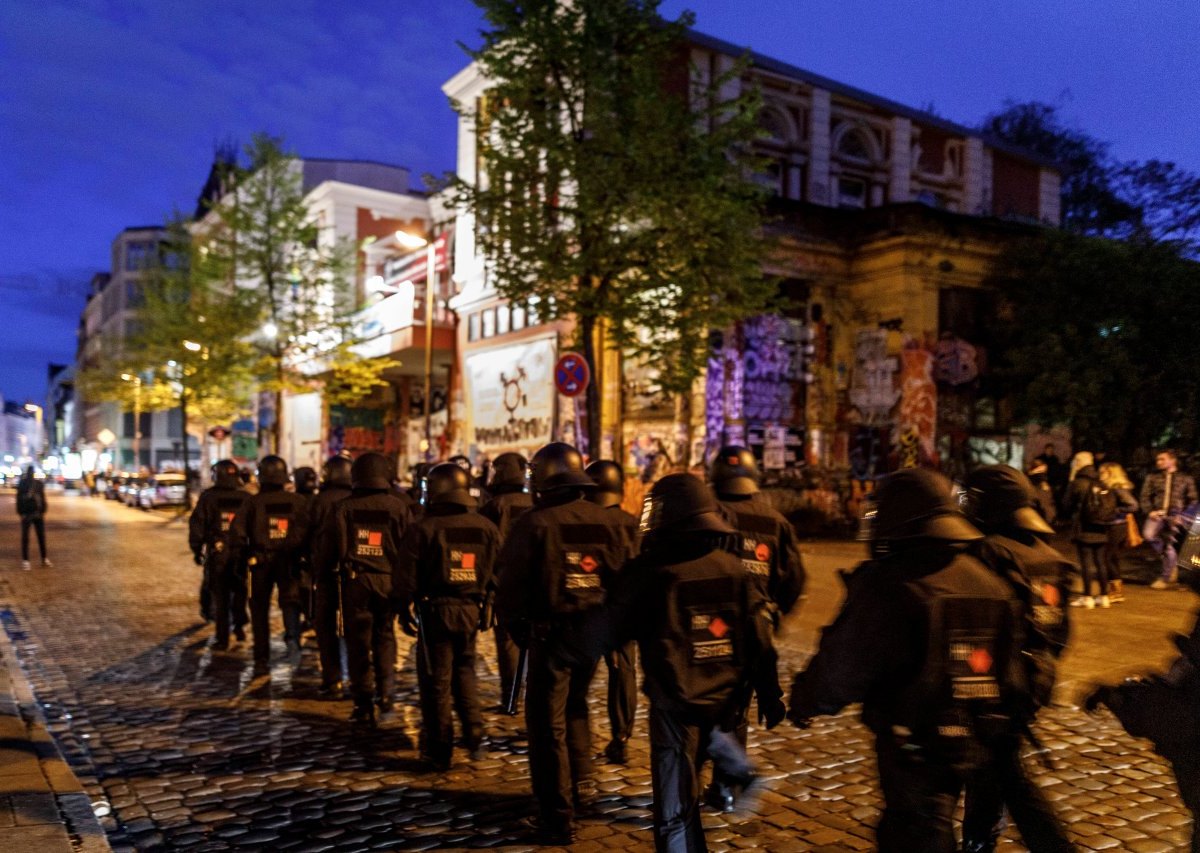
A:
x: 510, y: 397
x: 357, y: 431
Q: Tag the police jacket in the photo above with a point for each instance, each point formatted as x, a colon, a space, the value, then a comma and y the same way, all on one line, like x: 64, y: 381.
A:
x: 272, y: 523
x: 700, y: 623
x: 558, y: 562
x: 323, y: 539
x: 213, y: 516
x: 369, y: 525
x: 445, y: 563
x: 508, y: 503
x: 885, y: 641
x: 767, y: 547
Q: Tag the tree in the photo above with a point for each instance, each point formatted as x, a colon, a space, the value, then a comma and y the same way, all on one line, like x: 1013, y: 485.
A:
x: 292, y: 282
x: 612, y: 186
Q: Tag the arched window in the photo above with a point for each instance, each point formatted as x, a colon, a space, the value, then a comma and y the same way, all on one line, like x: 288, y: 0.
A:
x: 853, y: 143
x: 776, y: 125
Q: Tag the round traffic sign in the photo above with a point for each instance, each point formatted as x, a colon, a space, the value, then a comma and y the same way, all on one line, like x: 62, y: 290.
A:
x: 571, y: 374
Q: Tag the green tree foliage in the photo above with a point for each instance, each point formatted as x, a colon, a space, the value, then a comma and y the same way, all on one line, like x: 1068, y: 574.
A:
x: 613, y: 185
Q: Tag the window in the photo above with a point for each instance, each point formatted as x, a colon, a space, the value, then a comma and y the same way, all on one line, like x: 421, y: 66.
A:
x: 502, y: 318
x: 853, y: 144
x: 489, y: 323
x: 473, y: 327
x: 138, y: 255
x: 852, y: 192
x: 174, y: 423
x: 134, y: 295
x: 518, y: 317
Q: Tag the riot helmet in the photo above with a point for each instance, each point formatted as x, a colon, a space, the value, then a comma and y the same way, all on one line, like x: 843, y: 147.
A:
x: 337, y: 471
x: 610, y: 483
x: 447, y: 483
x: 462, y: 462
x: 225, y: 475
x: 916, y: 505
x: 1000, y: 496
x: 272, y: 471
x: 372, y: 471
x: 678, y: 504
x: 305, y: 479
x: 508, y: 471
x: 558, y: 466
x: 734, y: 471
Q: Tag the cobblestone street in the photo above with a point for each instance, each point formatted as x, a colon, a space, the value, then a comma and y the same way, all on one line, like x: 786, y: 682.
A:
x: 191, y: 752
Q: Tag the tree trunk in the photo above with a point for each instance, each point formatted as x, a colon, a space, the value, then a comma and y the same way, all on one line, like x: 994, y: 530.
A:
x: 587, y: 327
x: 683, y: 430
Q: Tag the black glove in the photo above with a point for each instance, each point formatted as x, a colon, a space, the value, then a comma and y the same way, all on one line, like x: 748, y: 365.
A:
x: 771, y: 713
x: 198, y: 557
x: 408, y: 622
x: 1099, y: 696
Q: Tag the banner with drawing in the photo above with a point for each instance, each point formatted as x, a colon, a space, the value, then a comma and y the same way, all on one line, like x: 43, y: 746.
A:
x: 511, y: 397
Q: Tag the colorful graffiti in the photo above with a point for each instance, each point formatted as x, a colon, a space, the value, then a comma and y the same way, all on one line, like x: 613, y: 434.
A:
x: 360, y: 430
x: 873, y: 390
x: 916, y: 418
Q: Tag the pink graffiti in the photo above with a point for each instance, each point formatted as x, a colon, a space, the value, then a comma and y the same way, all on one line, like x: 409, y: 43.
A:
x: 918, y: 401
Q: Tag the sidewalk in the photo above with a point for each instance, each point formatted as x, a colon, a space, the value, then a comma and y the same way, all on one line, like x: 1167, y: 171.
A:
x: 43, y: 808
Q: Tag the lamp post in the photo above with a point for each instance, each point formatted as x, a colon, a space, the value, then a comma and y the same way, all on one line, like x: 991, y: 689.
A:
x: 137, y: 418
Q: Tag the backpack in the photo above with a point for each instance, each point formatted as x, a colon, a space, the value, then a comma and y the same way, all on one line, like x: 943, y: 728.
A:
x: 1099, y: 505
x: 26, y: 503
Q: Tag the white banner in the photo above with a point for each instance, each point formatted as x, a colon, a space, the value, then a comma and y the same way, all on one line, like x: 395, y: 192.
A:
x: 510, y: 397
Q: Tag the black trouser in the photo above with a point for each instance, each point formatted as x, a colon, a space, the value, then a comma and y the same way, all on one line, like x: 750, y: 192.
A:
x: 369, y: 618
x: 1004, y: 782
x: 445, y: 670
x: 39, y: 525
x: 560, y: 741
x: 324, y: 620
x: 1118, y: 535
x: 271, y: 572
x: 622, y: 690
x: 227, y: 595
x: 919, y: 799
x: 507, y: 655
x: 1090, y: 556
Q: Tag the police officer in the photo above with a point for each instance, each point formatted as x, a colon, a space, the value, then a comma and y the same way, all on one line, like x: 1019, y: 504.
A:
x: 622, y: 661
x: 1002, y: 503
x: 305, y: 479
x: 208, y: 536
x: 326, y: 587
x: 370, y: 524
x: 704, y: 634
x: 927, y: 641
x: 766, y: 543
x: 445, y: 566
x: 509, y: 500
x: 477, y: 490
x: 554, y: 568
x: 271, y: 530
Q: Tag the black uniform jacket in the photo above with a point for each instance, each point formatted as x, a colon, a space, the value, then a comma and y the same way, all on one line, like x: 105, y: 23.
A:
x: 323, y: 539
x: 213, y: 516
x: 369, y: 526
x: 768, y: 548
x: 271, y: 522
x: 875, y: 649
x: 505, y: 507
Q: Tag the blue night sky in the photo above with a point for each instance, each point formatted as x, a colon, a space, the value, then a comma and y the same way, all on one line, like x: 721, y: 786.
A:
x: 110, y: 109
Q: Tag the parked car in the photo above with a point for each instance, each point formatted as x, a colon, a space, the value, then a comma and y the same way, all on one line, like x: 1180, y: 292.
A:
x: 163, y: 490
x: 113, y: 485
x: 130, y: 487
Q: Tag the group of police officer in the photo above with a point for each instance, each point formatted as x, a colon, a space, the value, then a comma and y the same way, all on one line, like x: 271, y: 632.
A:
x: 948, y: 635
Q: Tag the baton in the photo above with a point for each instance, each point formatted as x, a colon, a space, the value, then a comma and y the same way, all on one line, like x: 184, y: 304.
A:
x: 341, y: 620
x: 510, y: 702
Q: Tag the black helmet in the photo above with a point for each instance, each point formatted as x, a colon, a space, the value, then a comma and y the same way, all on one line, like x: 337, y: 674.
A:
x: 610, y: 483
x: 372, y: 471
x: 305, y: 479
x: 337, y: 471
x: 448, y: 484
x: 558, y: 466
x: 462, y: 462
x: 734, y: 471
x: 508, y: 471
x: 681, y: 503
x: 225, y: 474
x: 916, y: 503
x: 272, y: 471
x: 1000, y: 496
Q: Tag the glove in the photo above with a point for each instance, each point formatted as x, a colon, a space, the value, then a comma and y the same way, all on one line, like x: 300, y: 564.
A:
x: 408, y: 622
x: 1099, y: 696
x: 198, y: 557
x: 771, y: 713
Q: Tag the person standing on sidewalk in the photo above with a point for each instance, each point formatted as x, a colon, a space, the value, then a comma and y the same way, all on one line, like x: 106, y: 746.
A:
x: 31, y: 506
x: 1114, y: 478
x: 1165, y: 495
x: 1091, y: 508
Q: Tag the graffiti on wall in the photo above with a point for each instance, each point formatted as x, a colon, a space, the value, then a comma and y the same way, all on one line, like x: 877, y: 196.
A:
x: 916, y: 417
x: 357, y: 431
x: 873, y: 389
x: 956, y: 361
x: 772, y: 353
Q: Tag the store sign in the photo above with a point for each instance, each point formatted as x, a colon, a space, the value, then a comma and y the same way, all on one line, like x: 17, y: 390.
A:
x: 511, y: 397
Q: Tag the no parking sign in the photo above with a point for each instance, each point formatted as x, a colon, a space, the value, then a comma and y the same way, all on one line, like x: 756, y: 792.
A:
x: 571, y: 374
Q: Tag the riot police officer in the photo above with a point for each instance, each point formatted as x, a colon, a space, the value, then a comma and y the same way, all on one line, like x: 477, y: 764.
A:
x: 446, y: 561
x: 477, y: 491
x: 555, y: 566
x: 927, y: 640
x: 766, y: 543
x: 622, y: 661
x: 510, y: 499
x: 271, y: 530
x: 326, y: 587
x: 208, y: 536
x: 370, y: 524
x: 305, y: 479
x: 1002, y: 503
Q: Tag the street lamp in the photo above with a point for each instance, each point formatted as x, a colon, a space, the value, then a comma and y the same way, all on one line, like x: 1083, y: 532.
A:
x: 137, y: 418
x: 412, y: 241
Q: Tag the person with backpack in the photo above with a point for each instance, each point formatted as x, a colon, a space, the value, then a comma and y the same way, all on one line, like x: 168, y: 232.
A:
x: 31, y: 506
x: 1092, y: 508
x: 928, y: 641
x: 1002, y: 503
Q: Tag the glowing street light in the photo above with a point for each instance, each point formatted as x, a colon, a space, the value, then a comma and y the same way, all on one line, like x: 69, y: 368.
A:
x: 192, y: 346
x: 270, y: 330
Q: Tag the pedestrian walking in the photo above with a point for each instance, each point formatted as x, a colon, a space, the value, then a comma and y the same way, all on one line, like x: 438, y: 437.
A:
x: 224, y: 572
x: 767, y: 545
x: 31, y: 507
x: 1002, y: 503
x: 1165, y: 494
x: 926, y: 640
x: 441, y: 579
x: 621, y: 662
x: 555, y: 566
x: 510, y: 500
x: 324, y: 559
x: 370, y: 524
x: 1114, y: 478
x: 270, y: 532
x: 1091, y: 508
